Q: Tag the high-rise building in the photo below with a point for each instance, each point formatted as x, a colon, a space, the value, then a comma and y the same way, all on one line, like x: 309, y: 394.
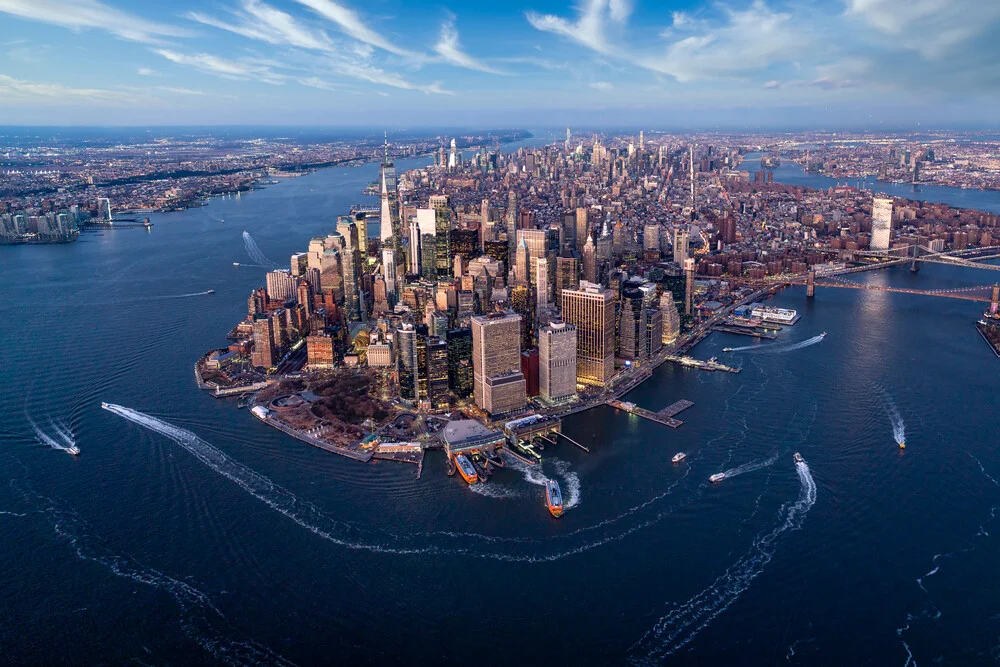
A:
x: 511, y: 228
x: 498, y: 384
x: 651, y: 237
x: 589, y: 261
x: 881, y: 223
x: 557, y: 362
x: 389, y: 270
x: 427, y: 224
x: 542, y: 289
x: 350, y: 266
x: 406, y: 361
x: 680, y: 246
x: 688, y: 285
x: 442, y: 233
x: 437, y: 371
x: 522, y: 272
x: 582, y: 227
x: 591, y: 309
x: 632, y: 324
x: 567, y: 275
x: 460, y: 371
x: 263, y: 354
x: 536, y: 242
x: 281, y: 285
x: 654, y: 331
x: 671, y: 318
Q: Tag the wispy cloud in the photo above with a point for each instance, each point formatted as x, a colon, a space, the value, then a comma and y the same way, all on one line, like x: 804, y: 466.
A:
x: 267, y: 24
x: 84, y: 14
x: 744, y: 42
x: 602, y: 85
x: 231, y: 69
x: 932, y: 27
x: 146, y: 71
x: 449, y: 48
x: 589, y: 29
x: 18, y: 91
x: 351, y: 24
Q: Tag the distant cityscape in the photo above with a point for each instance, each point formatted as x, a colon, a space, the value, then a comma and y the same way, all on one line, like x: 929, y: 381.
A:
x: 486, y: 296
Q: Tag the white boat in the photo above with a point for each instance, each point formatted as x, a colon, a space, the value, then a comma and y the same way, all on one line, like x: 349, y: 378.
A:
x: 678, y: 457
x: 106, y: 406
x: 236, y: 263
x: 727, y: 349
x: 798, y: 458
x: 717, y: 477
x: 73, y: 450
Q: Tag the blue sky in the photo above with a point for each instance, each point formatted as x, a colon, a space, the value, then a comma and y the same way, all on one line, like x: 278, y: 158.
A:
x: 889, y: 63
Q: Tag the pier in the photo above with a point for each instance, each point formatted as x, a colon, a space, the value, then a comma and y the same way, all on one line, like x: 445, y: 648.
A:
x: 572, y: 441
x: 658, y: 417
x: 741, y: 331
x: 709, y: 365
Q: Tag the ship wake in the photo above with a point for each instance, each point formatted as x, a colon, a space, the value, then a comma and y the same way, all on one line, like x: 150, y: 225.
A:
x: 200, y: 619
x: 679, y: 627
x: 898, y: 426
x: 750, y: 467
x: 254, y: 251
x: 60, y: 436
x: 778, y: 348
x: 313, y: 519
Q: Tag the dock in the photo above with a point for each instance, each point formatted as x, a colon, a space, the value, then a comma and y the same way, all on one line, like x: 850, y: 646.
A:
x: 709, y: 365
x: 657, y: 417
x: 675, y: 408
x: 572, y: 441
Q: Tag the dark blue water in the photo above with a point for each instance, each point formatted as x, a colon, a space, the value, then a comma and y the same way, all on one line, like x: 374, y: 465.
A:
x: 792, y: 173
x: 209, y: 537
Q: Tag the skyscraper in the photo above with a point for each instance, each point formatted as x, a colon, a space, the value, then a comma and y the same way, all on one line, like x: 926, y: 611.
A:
x: 511, y: 227
x: 591, y: 310
x: 688, y: 285
x: 350, y: 264
x: 557, y: 362
x: 437, y: 371
x: 460, y: 371
x: 567, y: 274
x: 542, y: 289
x: 671, y: 318
x: 680, y: 246
x: 881, y: 223
x: 263, y: 342
x: 498, y: 384
x: 535, y: 241
x: 406, y: 361
x: 632, y: 324
x: 582, y: 227
x: 589, y: 261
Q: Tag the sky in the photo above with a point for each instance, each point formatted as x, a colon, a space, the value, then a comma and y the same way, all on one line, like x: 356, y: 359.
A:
x: 667, y: 64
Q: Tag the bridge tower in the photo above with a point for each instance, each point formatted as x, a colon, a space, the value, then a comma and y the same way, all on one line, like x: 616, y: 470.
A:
x: 811, y: 283
x: 995, y: 302
x: 914, y: 266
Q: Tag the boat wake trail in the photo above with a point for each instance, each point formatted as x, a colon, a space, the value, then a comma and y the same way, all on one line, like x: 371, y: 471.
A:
x: 313, y: 519
x: 60, y: 438
x: 750, y: 467
x: 533, y: 474
x: 200, y: 619
x: 686, y: 620
x: 778, y: 348
x: 898, y: 426
x: 254, y: 251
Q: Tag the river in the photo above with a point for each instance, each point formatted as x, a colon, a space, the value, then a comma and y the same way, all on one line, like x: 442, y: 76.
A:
x: 792, y: 173
x: 193, y: 533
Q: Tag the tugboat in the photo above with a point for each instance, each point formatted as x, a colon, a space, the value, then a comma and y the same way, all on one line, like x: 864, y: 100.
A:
x: 465, y: 469
x: 717, y: 477
x: 553, y: 498
x: 678, y: 457
x: 798, y: 458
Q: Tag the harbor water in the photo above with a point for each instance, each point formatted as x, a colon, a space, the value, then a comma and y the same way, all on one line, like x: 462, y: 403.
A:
x: 188, y: 532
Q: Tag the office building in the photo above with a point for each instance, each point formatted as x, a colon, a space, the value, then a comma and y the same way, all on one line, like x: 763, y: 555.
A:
x: 460, y: 371
x: 437, y: 371
x: 881, y: 223
x: 498, y: 384
x: 557, y: 362
x: 591, y: 310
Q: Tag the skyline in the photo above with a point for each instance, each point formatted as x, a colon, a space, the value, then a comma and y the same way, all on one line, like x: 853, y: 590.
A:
x: 858, y: 63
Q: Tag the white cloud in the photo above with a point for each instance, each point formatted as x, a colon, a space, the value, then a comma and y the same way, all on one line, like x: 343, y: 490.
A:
x: 18, y: 90
x: 932, y: 27
x: 231, y: 69
x: 267, y: 24
x: 82, y: 14
x: 748, y: 41
x: 351, y: 24
x: 602, y: 85
x: 590, y: 27
x: 449, y: 48
x: 146, y: 71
